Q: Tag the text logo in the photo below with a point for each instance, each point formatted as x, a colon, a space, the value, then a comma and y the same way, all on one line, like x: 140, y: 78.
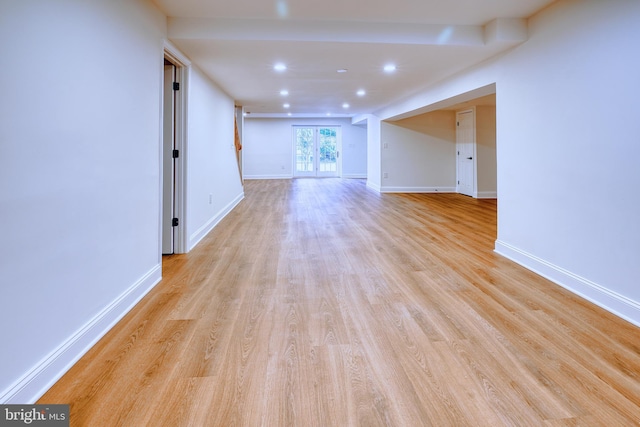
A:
x: 34, y: 415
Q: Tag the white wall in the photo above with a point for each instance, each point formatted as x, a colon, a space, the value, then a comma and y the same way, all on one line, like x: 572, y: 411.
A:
x: 374, y: 153
x: 419, y: 153
x: 486, y: 167
x: 267, y: 149
x: 214, y: 185
x: 268, y: 146
x: 354, y: 151
x: 81, y: 176
x: 80, y: 187
x: 568, y: 150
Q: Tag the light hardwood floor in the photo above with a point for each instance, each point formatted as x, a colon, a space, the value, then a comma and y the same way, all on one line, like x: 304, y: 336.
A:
x: 323, y: 303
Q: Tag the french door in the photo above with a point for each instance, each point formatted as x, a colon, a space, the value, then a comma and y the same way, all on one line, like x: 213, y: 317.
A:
x: 316, y: 151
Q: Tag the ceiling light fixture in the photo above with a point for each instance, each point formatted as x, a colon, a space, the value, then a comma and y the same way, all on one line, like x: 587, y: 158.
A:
x: 284, y: 92
x: 282, y: 8
x: 389, y: 68
x: 345, y: 105
x: 280, y: 67
x: 361, y: 92
x: 342, y: 70
x: 286, y: 105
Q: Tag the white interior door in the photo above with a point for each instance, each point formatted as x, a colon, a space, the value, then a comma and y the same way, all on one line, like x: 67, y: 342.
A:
x: 466, y: 147
x: 168, y: 161
x: 316, y: 151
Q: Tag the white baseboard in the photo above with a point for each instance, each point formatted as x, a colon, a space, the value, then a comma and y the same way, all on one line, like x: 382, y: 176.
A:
x: 345, y: 176
x: 611, y: 301
x: 387, y: 189
x: 200, y: 233
x: 267, y: 177
x: 33, y: 384
x: 487, y: 195
x: 374, y: 187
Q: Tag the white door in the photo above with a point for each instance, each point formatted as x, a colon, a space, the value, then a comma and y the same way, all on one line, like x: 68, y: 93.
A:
x: 168, y: 161
x: 465, y: 147
x: 316, y: 151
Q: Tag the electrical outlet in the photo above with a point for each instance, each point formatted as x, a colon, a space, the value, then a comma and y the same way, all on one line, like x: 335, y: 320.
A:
x: 210, y: 198
x: 385, y: 175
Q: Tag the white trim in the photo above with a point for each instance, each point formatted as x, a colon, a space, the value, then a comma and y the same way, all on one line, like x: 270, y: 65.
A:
x: 374, y: 187
x: 486, y: 195
x: 386, y: 189
x: 175, y: 55
x: 209, y: 225
x: 32, y: 385
x: 354, y: 176
x: 183, y: 71
x: 607, y: 299
x: 246, y: 177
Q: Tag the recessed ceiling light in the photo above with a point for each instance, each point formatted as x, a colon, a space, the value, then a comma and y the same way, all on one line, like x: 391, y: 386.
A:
x: 284, y: 92
x: 361, y: 92
x: 345, y: 105
x: 279, y: 67
x: 342, y: 70
x: 286, y: 105
x: 282, y: 8
x: 389, y: 68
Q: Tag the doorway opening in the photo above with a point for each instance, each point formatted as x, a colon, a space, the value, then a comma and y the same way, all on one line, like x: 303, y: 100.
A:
x: 172, y: 209
x: 466, y: 152
x: 168, y: 159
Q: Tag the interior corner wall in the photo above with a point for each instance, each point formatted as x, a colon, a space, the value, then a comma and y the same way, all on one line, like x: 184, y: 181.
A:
x: 486, y: 151
x: 80, y: 193
x: 214, y: 185
x: 268, y: 146
x: 418, y: 153
x: 566, y: 149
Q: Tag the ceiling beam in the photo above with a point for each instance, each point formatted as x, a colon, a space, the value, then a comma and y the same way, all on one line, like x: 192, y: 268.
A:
x: 325, y: 31
x: 506, y: 31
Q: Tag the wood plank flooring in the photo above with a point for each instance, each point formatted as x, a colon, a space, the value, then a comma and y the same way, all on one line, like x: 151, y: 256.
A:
x: 323, y: 303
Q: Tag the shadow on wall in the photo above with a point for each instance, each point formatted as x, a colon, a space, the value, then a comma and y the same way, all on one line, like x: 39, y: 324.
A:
x: 438, y: 124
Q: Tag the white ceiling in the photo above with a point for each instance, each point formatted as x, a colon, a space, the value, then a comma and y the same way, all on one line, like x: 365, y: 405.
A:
x: 236, y: 43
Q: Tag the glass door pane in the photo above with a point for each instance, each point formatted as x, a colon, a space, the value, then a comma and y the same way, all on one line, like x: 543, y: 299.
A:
x: 304, y: 151
x: 328, y: 151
